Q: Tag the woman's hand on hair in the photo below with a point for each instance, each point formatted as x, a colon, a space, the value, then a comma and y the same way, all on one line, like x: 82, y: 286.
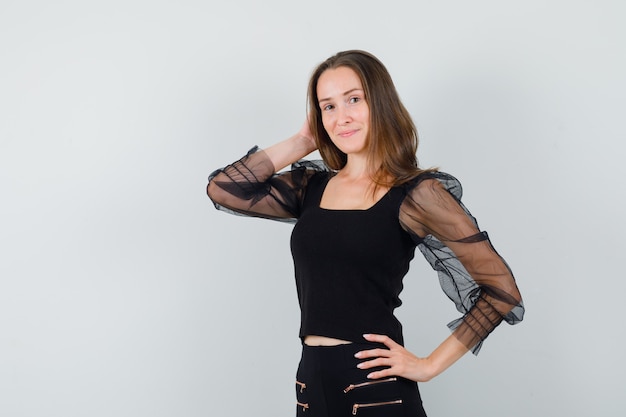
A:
x: 305, y: 134
x: 290, y: 150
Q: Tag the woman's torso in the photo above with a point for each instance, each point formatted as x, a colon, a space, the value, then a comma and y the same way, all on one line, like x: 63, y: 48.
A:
x: 349, y: 266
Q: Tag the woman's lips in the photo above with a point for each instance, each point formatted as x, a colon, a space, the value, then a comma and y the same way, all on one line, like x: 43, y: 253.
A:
x: 347, y: 133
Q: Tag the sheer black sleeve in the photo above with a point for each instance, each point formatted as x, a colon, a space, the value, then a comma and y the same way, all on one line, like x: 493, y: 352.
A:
x: 471, y: 272
x: 250, y: 187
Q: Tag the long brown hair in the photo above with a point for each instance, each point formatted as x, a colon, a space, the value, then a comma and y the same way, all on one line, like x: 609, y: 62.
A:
x: 392, y: 140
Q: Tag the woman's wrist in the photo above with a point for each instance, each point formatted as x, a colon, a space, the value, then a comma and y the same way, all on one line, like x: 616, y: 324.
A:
x: 305, y: 143
x: 450, y: 351
x: 431, y: 368
x: 289, y: 151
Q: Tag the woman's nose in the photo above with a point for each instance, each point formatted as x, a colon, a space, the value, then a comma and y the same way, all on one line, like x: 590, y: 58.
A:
x: 344, y: 116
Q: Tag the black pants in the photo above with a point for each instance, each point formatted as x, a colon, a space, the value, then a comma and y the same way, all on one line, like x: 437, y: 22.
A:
x: 328, y: 384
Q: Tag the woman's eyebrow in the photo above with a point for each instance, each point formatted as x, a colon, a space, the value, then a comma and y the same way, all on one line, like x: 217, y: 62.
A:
x: 344, y: 94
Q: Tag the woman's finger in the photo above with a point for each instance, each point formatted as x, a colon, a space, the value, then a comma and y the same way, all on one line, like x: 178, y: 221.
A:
x: 383, y: 373
x: 374, y: 363
x: 381, y: 338
x: 372, y: 353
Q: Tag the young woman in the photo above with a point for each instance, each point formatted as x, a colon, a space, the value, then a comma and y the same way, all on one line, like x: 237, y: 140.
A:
x: 358, y: 217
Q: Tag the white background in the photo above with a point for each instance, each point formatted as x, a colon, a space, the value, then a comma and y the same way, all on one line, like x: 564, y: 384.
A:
x: 124, y: 293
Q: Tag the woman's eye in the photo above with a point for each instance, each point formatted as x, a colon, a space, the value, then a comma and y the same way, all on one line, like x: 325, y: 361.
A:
x: 327, y: 107
x: 354, y: 100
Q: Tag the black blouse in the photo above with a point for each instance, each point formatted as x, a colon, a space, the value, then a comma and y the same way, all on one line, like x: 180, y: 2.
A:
x: 349, y: 264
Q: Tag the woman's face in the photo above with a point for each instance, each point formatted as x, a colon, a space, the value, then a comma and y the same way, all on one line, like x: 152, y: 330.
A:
x: 345, y: 113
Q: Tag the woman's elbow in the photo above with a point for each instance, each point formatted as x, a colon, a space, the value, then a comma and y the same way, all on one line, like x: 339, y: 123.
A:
x: 215, y: 193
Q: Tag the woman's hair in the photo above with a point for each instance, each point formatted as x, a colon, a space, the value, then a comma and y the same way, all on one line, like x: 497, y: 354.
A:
x: 392, y: 139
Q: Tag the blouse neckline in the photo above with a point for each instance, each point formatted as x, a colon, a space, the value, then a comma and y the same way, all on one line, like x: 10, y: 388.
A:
x: 370, y: 208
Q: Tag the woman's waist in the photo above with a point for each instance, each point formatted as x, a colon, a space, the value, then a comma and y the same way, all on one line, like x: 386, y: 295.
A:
x: 314, y: 340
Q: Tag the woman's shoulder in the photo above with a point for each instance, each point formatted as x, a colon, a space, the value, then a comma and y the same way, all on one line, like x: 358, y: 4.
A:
x: 315, y: 165
x: 307, y: 173
x: 448, y: 181
x: 309, y: 169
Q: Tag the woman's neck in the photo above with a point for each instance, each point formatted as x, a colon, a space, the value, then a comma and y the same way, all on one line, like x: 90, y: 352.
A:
x: 357, y: 168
